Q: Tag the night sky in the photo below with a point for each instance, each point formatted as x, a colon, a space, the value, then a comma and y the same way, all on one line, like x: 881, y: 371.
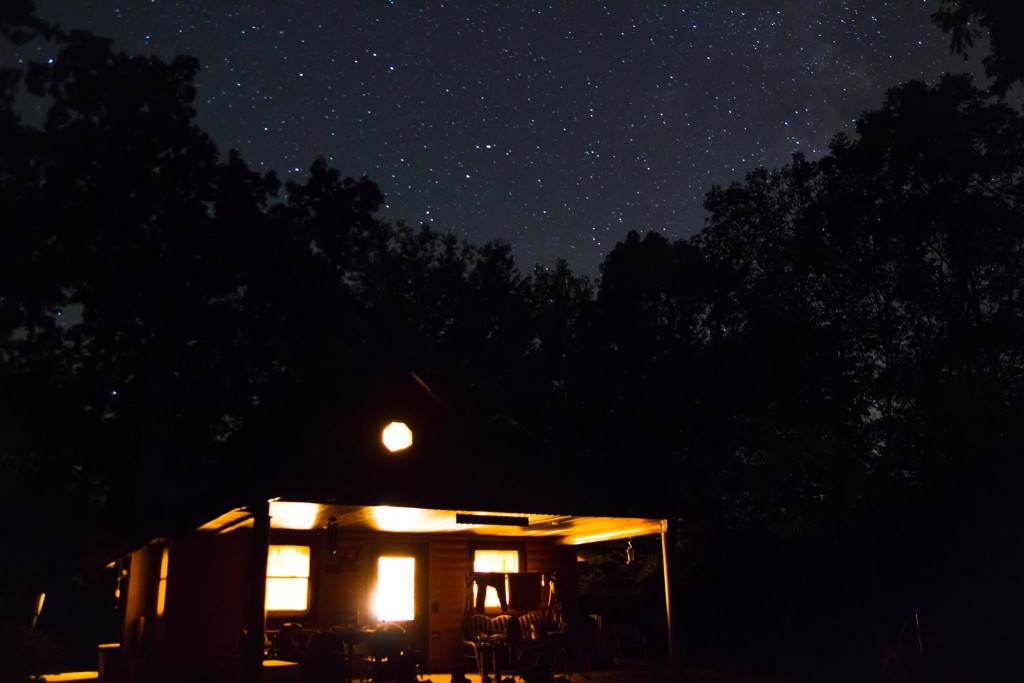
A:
x: 555, y: 126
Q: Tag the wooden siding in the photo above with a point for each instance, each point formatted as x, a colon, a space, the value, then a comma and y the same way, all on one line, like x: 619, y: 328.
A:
x: 555, y: 559
x: 205, y: 601
x: 341, y: 582
x: 140, y: 604
x: 449, y: 563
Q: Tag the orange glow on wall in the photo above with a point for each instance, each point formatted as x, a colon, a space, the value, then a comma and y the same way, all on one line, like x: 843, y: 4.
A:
x: 287, y: 578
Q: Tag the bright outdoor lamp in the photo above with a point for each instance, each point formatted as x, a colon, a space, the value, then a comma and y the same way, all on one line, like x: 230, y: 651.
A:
x: 396, y: 437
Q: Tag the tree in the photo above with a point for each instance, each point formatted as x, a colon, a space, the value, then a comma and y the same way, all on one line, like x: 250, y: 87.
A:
x: 177, y: 322
x: 119, y: 274
x: 830, y: 372
x: 154, y: 309
x: 1002, y: 20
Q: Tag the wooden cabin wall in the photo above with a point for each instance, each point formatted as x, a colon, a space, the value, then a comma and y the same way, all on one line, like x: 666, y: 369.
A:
x: 450, y: 560
x: 545, y: 556
x: 140, y: 602
x: 342, y: 583
x: 205, y: 598
x: 202, y: 620
x: 341, y: 594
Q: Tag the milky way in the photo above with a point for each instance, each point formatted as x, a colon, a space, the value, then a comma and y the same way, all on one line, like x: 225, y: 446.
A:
x: 555, y: 126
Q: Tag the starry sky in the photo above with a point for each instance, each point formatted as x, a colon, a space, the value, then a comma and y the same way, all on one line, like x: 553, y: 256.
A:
x: 555, y: 126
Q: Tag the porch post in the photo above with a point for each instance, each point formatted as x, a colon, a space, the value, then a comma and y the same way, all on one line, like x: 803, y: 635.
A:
x: 677, y: 673
x: 256, y: 593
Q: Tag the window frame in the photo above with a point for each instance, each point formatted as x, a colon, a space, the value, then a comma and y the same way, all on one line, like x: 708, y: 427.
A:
x: 500, y: 546
x: 161, y: 582
x: 518, y: 546
x: 308, y: 577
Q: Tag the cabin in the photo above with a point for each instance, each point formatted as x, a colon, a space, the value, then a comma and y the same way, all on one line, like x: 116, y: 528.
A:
x: 332, y: 566
x: 404, y: 516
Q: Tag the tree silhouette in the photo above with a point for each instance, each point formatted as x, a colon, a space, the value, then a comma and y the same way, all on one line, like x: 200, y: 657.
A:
x: 836, y: 389
x: 179, y: 322
x: 1002, y: 22
x: 121, y: 265
x: 825, y: 384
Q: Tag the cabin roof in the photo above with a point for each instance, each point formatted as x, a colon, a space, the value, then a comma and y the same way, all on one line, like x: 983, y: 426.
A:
x: 565, y: 529
x: 327, y: 451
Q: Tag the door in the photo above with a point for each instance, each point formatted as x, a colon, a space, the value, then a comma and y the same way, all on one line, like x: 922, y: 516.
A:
x: 399, y: 592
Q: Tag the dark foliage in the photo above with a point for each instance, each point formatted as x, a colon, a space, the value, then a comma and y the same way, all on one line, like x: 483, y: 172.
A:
x: 831, y: 372
x: 1002, y: 21
x: 822, y: 388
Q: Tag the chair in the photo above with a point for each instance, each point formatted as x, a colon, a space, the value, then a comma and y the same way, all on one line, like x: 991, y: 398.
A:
x: 327, y: 660
x: 480, y: 633
x: 290, y: 643
x: 390, y: 660
x: 522, y: 640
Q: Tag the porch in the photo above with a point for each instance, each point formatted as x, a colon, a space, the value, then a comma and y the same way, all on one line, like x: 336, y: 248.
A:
x: 647, y: 674
x: 637, y: 675
x: 335, y: 570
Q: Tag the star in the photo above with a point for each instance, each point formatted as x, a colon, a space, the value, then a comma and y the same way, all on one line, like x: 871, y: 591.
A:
x: 562, y: 96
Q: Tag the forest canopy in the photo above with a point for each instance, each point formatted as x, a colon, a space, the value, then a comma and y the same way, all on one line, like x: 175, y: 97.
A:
x: 828, y: 377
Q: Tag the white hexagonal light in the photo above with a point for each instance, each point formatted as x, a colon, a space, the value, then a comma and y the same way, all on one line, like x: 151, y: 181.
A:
x: 396, y: 437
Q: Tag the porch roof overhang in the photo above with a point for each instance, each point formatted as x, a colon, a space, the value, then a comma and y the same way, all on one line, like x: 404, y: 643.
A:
x: 564, y: 529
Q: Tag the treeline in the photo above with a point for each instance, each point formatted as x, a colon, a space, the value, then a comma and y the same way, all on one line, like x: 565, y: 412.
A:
x: 823, y: 387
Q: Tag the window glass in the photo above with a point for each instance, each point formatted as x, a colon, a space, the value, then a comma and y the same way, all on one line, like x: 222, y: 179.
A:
x: 505, y: 561
x: 161, y: 588
x: 395, y: 597
x: 288, y: 578
x: 496, y: 561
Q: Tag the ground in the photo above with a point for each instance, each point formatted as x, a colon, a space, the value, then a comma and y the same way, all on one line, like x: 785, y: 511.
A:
x: 647, y: 675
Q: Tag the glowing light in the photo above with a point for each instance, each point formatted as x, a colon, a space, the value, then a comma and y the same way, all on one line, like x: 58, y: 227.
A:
x: 40, y: 599
x: 71, y: 676
x: 286, y: 515
x: 396, y: 437
x: 161, y: 589
x: 287, y: 578
x: 395, y: 597
x: 386, y: 518
x: 609, y: 535
x: 505, y: 561
x: 496, y: 561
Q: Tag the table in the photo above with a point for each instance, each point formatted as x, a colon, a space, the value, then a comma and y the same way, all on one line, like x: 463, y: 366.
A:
x: 351, y: 637
x: 490, y: 644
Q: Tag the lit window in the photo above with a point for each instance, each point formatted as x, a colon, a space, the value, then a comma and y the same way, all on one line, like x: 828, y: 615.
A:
x: 395, y: 598
x: 161, y: 586
x: 288, y: 578
x: 504, y: 561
